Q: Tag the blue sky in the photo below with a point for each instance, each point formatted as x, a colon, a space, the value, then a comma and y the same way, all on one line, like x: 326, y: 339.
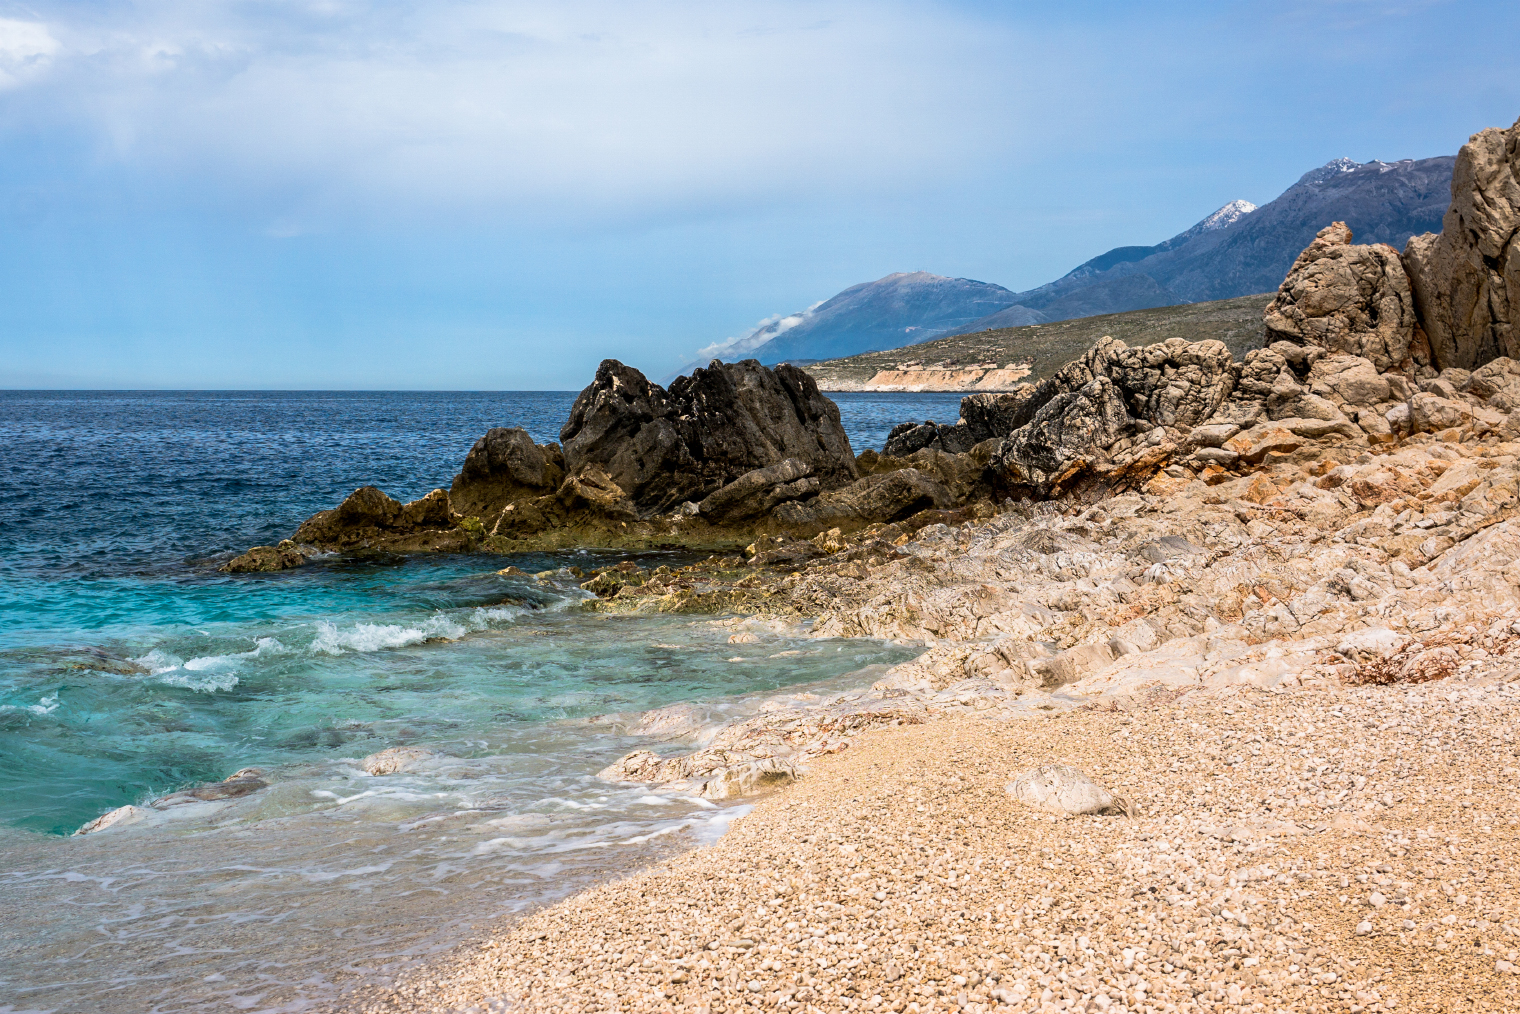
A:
x: 495, y: 195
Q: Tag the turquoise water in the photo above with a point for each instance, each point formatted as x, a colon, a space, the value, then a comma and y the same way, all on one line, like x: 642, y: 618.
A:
x: 130, y: 668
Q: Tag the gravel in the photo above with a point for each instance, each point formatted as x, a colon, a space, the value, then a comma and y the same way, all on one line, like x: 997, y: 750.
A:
x: 1311, y: 850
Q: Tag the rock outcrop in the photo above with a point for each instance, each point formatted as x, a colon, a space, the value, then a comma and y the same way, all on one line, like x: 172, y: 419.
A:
x: 369, y: 519
x: 906, y: 438
x: 1466, y: 278
x: 665, y: 448
x: 885, y: 498
x: 1346, y: 298
x: 755, y: 493
x: 505, y: 465
x: 1109, y: 413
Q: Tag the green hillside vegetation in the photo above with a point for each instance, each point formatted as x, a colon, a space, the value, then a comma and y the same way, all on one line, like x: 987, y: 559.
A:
x: 1048, y: 347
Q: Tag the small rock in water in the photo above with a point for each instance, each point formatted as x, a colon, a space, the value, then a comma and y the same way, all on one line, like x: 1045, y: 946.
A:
x: 121, y: 815
x: 394, y: 759
x: 1057, y: 788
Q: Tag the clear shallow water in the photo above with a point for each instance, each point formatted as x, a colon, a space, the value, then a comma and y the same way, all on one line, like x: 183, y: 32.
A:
x: 130, y: 668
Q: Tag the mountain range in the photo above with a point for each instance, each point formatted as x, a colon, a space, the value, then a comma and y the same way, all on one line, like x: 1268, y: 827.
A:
x: 1237, y: 250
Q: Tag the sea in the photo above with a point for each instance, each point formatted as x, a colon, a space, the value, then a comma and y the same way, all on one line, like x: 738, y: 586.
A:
x: 131, y: 668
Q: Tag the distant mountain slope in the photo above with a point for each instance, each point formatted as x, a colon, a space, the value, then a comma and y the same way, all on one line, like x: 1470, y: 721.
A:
x: 1237, y: 250
x: 1250, y: 251
x: 885, y: 314
x: 1048, y: 347
x: 1382, y: 202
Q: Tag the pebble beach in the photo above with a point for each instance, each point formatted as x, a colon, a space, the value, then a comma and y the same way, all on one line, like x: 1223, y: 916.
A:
x: 1320, y: 849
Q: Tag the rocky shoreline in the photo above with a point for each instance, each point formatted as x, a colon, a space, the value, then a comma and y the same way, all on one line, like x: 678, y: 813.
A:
x: 1273, y: 604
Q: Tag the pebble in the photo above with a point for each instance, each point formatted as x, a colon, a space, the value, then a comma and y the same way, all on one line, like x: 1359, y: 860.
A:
x: 898, y: 876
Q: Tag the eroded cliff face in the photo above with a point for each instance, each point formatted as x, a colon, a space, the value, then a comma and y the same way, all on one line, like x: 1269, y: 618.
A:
x: 1466, y: 278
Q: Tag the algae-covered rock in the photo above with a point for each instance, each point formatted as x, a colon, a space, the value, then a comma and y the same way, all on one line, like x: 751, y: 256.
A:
x: 262, y: 559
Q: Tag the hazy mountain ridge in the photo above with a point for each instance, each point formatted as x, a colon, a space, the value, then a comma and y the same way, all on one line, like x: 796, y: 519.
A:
x: 901, y: 309
x: 1237, y: 250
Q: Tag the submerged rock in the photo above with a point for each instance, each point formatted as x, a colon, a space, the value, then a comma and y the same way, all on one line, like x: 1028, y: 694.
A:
x: 119, y: 817
x: 395, y: 759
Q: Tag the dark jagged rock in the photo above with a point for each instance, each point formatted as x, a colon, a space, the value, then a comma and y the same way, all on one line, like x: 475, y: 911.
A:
x: 368, y: 519
x: 876, y: 498
x: 505, y: 465
x: 755, y: 493
x: 1349, y: 299
x: 906, y: 438
x: 664, y: 448
x: 1466, y: 278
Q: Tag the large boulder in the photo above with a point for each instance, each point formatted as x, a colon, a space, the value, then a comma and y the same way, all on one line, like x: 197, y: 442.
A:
x: 662, y: 448
x: 1072, y: 432
x: 1345, y: 298
x: 1466, y: 279
x: 369, y: 519
x: 505, y: 465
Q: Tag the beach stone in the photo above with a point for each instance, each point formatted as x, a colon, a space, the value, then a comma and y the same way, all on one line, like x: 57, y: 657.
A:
x: 1350, y: 299
x: 1059, y: 788
x: 1466, y: 278
x: 395, y: 759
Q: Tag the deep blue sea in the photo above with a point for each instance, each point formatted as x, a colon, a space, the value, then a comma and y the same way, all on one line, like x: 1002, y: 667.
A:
x: 129, y: 668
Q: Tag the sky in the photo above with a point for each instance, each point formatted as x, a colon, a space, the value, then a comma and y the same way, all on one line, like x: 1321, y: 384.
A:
x: 490, y: 195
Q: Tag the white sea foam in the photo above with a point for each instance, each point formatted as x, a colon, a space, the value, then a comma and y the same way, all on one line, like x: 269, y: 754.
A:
x: 213, y: 672
x: 209, y: 683
x: 333, y: 640
x: 46, y: 706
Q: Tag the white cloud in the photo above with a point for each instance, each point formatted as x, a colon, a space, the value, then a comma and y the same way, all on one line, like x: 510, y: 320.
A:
x: 26, y: 50
x: 771, y: 327
x: 588, y: 109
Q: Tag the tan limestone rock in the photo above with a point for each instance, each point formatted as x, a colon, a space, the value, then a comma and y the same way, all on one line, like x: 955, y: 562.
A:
x: 1346, y: 298
x: 1466, y: 279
